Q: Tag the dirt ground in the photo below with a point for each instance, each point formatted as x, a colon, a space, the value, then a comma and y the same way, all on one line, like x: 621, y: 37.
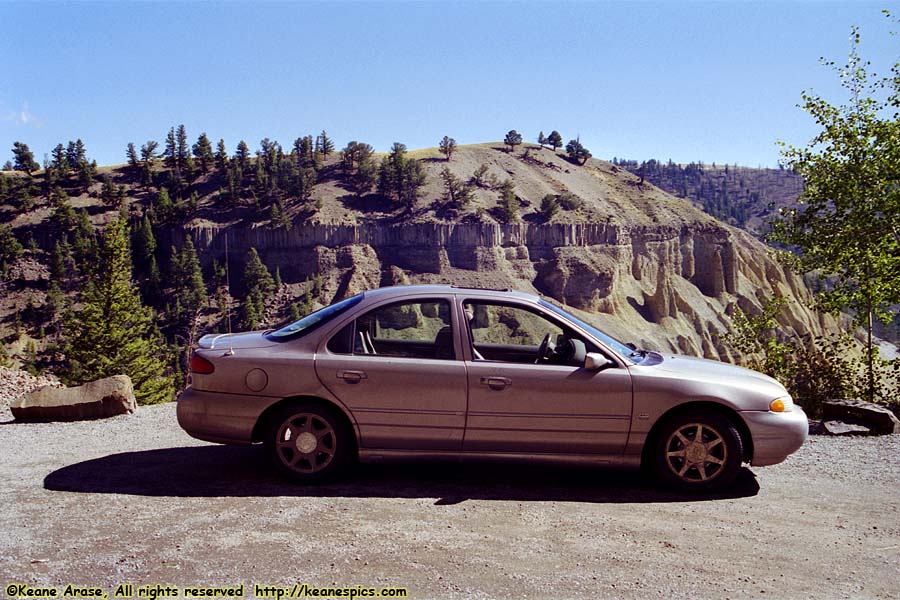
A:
x: 135, y: 500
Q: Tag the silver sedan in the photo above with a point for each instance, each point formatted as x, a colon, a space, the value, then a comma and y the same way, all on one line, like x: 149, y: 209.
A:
x: 442, y: 371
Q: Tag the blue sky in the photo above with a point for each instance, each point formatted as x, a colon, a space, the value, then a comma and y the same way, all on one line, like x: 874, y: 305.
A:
x: 712, y: 81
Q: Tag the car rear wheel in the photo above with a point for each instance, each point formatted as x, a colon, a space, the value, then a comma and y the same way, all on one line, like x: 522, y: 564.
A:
x: 698, y: 452
x: 307, y: 442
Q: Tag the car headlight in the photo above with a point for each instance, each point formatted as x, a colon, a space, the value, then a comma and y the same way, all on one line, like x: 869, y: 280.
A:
x: 783, y: 404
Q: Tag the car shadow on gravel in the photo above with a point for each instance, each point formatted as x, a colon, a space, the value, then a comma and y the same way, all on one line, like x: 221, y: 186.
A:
x: 242, y: 471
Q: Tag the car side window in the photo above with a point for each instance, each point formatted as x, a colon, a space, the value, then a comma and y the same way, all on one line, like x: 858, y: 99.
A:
x: 418, y: 329
x: 342, y: 341
x: 506, y: 333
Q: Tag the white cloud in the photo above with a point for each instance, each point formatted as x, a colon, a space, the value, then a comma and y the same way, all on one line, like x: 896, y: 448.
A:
x: 24, y: 116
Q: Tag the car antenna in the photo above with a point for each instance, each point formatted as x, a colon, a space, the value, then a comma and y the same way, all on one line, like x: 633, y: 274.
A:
x: 230, y: 351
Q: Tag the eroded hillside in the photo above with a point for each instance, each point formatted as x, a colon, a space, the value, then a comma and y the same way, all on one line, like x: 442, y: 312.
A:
x: 646, y: 266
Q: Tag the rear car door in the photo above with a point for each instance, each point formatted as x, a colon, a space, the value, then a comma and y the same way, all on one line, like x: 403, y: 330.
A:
x: 396, y: 368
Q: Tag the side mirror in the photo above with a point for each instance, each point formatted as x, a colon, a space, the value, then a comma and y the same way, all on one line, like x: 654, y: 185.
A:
x: 597, y: 362
x: 579, y: 352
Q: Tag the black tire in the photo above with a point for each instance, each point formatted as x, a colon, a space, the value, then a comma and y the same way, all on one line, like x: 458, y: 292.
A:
x: 308, y: 442
x: 709, y: 463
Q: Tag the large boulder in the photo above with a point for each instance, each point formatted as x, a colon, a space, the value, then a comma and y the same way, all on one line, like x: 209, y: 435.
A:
x: 877, y: 418
x: 95, y: 400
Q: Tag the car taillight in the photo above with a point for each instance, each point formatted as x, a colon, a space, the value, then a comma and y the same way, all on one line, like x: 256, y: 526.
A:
x: 201, y: 365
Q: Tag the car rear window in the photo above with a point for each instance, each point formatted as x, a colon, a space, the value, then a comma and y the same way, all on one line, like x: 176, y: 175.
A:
x: 313, y: 320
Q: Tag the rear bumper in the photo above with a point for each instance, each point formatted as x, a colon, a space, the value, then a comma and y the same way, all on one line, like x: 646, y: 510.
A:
x: 219, y: 417
x: 775, y: 435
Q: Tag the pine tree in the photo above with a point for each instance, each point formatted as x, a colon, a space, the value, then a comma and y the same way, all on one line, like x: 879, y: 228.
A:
x: 277, y: 278
x: 296, y: 314
x: 357, y: 160
x: 549, y: 206
x: 305, y: 152
x: 479, y: 176
x: 56, y: 302
x: 249, y: 316
x: 509, y: 204
x: 109, y: 193
x: 513, y: 138
x: 400, y: 178
x: 542, y: 140
x: 447, y: 146
x: 85, y: 246
x: 221, y: 156
x: 257, y: 280
x: 62, y: 264
x: 86, y: 172
x: 578, y: 152
x: 163, y: 209
x: 148, y: 157
x: 10, y: 248
x: 457, y: 193
x: 170, y: 154
x: 59, y: 162
x: 242, y: 155
x: 132, y: 155
x: 203, y: 152
x: 80, y: 153
x: 182, y: 149
x: 143, y: 245
x: 113, y: 333
x: 72, y: 155
x: 554, y: 140
x: 24, y: 158
x: 325, y: 144
x: 190, y: 290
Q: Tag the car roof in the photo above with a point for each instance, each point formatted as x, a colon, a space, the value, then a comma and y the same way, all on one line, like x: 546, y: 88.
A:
x: 415, y: 290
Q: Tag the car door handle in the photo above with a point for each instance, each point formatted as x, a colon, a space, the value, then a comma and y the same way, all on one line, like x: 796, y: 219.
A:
x: 496, y: 383
x: 351, y: 376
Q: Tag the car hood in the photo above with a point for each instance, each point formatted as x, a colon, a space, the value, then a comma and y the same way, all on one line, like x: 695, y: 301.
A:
x: 219, y: 341
x: 745, y: 388
x: 703, y: 368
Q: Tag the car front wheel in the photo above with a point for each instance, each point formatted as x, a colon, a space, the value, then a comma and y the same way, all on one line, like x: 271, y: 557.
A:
x: 307, y: 442
x: 698, y: 452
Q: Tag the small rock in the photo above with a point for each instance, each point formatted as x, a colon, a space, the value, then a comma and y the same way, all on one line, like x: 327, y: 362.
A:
x: 841, y: 428
x: 95, y: 400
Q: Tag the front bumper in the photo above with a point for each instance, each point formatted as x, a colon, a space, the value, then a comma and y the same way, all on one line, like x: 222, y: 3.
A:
x: 219, y: 417
x: 775, y: 435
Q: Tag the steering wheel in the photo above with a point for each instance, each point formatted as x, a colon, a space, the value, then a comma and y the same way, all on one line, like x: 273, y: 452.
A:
x: 545, y: 350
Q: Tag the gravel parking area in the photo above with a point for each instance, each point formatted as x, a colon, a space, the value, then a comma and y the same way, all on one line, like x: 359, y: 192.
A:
x: 133, y: 499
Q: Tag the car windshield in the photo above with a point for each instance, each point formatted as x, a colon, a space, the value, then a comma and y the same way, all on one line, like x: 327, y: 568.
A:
x: 622, y: 349
x: 312, y: 320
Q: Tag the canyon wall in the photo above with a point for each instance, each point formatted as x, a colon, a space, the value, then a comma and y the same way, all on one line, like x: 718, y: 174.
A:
x: 669, y: 288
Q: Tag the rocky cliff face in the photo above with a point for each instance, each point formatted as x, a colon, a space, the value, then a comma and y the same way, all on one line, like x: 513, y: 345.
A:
x: 642, y: 264
x: 665, y: 287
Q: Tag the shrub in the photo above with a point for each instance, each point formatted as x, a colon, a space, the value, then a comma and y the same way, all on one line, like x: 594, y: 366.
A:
x: 813, y: 369
x: 570, y: 201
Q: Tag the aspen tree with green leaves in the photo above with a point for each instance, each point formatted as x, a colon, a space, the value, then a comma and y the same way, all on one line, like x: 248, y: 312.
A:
x: 847, y: 227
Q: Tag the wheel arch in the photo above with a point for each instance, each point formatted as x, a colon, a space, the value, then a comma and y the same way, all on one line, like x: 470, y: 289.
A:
x: 693, y: 407
x: 262, y: 422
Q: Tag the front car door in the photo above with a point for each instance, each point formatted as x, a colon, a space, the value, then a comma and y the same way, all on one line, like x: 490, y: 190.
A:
x: 521, y: 403
x: 396, y: 368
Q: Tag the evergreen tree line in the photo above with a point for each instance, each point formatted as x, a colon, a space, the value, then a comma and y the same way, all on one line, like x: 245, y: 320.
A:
x: 66, y: 169
x: 148, y: 298
x: 728, y: 192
